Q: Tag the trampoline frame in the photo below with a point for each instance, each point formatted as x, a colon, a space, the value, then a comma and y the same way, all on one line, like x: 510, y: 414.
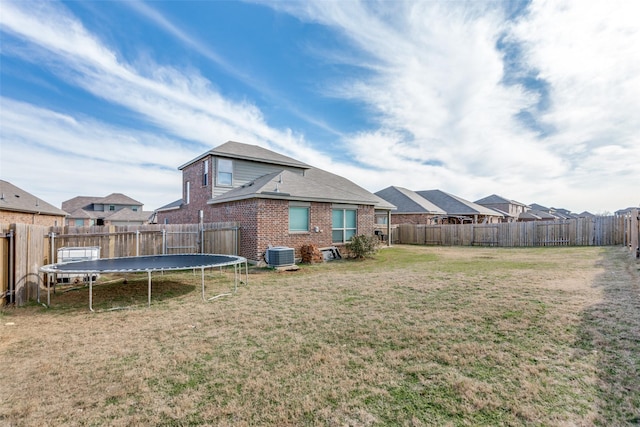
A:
x: 67, y: 268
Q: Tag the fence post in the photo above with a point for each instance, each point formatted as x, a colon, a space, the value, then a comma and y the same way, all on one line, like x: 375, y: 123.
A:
x: 164, y: 241
x: 137, y: 242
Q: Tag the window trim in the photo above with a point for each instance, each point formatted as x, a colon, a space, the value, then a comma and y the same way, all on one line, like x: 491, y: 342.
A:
x: 205, y: 173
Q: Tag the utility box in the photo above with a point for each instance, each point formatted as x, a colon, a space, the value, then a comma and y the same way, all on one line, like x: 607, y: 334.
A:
x: 70, y: 254
x: 280, y: 256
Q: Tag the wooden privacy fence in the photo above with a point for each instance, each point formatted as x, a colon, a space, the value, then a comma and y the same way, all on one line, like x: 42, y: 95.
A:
x: 24, y: 248
x: 598, y: 231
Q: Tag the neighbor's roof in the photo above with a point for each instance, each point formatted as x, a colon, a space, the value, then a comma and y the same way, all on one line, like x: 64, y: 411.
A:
x: 537, y: 207
x: 76, y: 203
x: 15, y: 199
x: 538, y: 215
x: 83, y: 202
x: 455, y: 205
x: 496, y: 199
x: 238, y: 150
x: 315, y: 185
x: 408, y: 202
x: 126, y: 214
x: 117, y: 199
x: 171, y: 206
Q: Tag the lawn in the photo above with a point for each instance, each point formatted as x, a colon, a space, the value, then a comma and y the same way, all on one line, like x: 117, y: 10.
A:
x: 416, y: 336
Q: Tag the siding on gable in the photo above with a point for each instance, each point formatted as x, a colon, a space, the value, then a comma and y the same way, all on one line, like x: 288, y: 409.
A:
x: 245, y: 171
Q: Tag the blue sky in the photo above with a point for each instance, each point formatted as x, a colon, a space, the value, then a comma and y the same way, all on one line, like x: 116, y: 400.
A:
x: 535, y: 101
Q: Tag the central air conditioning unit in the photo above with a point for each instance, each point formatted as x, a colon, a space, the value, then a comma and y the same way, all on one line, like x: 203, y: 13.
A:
x: 280, y: 256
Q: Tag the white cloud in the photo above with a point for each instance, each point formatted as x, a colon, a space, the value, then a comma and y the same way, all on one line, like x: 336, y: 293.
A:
x: 436, y: 87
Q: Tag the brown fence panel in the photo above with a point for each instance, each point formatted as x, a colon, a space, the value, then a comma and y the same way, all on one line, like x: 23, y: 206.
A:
x: 598, y: 231
x: 29, y: 256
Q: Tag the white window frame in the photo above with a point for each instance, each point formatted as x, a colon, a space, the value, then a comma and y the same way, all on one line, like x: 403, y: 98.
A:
x: 344, y: 227
x: 187, y: 192
x: 205, y: 173
x: 300, y: 205
x: 220, y: 171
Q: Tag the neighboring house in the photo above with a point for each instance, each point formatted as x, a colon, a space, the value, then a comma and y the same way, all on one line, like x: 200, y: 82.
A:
x: 509, y: 208
x: 18, y: 206
x: 543, y: 213
x: 277, y: 200
x: 436, y: 207
x: 411, y: 208
x: 586, y: 214
x: 626, y: 211
x: 114, y: 209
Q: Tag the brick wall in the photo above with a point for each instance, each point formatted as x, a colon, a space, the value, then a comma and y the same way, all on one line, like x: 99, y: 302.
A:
x: 265, y: 222
x: 10, y: 217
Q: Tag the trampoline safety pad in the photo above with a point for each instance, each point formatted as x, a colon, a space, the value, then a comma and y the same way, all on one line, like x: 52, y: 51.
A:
x: 150, y: 264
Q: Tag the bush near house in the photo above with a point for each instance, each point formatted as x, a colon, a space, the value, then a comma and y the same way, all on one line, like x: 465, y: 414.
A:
x: 362, y: 246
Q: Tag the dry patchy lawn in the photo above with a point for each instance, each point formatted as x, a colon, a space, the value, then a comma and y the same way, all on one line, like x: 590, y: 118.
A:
x: 417, y: 336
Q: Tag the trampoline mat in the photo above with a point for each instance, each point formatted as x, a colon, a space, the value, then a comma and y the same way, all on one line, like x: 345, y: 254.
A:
x: 144, y: 263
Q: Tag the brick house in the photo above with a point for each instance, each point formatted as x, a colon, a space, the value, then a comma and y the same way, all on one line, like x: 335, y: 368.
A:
x: 277, y: 200
x: 509, y: 208
x: 20, y: 207
x: 435, y: 207
x: 114, y: 209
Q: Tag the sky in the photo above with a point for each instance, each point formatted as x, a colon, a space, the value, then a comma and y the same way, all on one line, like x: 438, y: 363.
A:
x: 536, y: 101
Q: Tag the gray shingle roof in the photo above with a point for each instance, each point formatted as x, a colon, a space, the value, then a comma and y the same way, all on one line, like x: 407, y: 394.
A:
x: 15, y: 199
x: 238, y: 150
x: 117, y: 199
x: 126, y: 214
x: 314, y: 185
x: 496, y: 199
x: 408, y: 201
x: 455, y: 205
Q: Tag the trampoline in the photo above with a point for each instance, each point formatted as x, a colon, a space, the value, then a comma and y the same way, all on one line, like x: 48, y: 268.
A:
x: 150, y: 264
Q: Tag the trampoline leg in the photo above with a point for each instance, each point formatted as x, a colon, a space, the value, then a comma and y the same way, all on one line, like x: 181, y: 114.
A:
x: 91, y: 293
x: 149, y: 297
x: 203, y: 298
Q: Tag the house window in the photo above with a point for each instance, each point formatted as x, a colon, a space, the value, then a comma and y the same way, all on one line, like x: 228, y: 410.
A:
x: 134, y: 208
x: 298, y: 218
x: 205, y: 173
x: 225, y: 172
x: 187, y: 191
x: 343, y: 225
x: 79, y: 222
x: 381, y: 219
x: 112, y: 208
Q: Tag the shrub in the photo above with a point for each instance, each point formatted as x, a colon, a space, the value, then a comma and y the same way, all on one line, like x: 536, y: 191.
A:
x: 362, y: 246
